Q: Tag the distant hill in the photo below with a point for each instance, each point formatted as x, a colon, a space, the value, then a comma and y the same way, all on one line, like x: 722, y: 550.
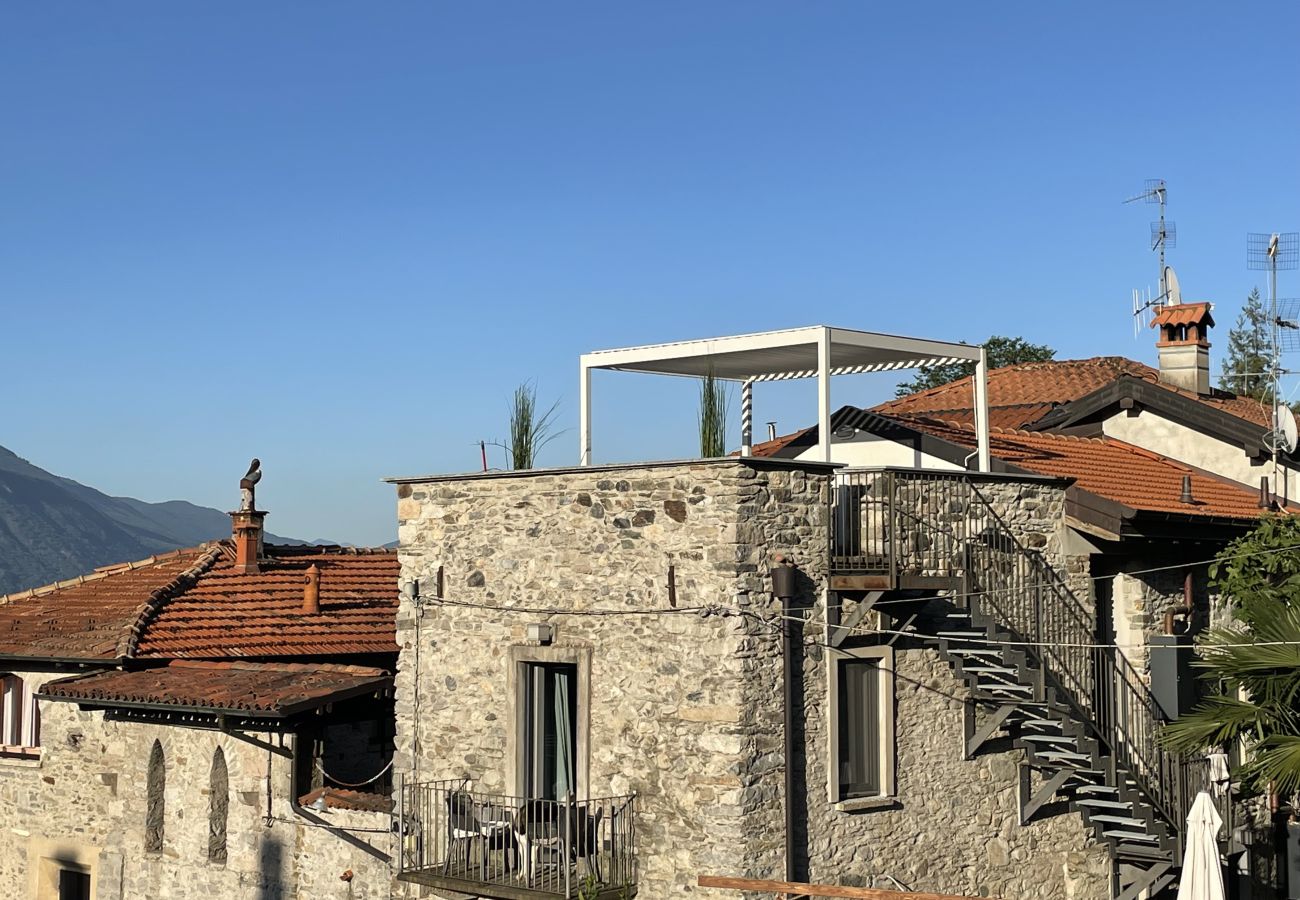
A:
x: 53, y: 528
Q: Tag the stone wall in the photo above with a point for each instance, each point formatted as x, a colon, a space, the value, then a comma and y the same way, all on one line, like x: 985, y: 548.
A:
x: 84, y: 803
x: 686, y: 710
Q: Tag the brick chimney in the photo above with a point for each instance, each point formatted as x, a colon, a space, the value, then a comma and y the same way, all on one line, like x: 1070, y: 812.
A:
x: 1184, y: 345
x: 248, y: 539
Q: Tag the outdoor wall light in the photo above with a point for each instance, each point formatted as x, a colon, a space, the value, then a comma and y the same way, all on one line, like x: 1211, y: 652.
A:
x: 411, y: 590
x: 541, y: 633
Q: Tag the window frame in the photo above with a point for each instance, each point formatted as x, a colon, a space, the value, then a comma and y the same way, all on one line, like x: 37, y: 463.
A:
x: 883, y: 656
x: 518, y: 656
x: 20, y: 718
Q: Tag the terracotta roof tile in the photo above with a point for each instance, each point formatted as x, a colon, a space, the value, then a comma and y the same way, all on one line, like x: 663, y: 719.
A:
x: 1183, y: 314
x: 273, y: 689
x: 1021, y: 394
x: 1109, y: 468
x: 342, y: 798
x: 193, y: 604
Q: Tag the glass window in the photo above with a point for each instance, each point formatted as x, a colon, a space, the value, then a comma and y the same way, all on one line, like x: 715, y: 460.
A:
x: 860, y: 728
x: 550, y: 730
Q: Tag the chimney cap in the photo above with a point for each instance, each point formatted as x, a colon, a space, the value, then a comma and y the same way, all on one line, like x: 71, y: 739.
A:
x: 1184, y: 314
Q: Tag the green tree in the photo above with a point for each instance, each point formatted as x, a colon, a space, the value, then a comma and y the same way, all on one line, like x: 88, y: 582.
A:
x: 1250, y: 351
x: 1002, y: 351
x: 1252, y: 664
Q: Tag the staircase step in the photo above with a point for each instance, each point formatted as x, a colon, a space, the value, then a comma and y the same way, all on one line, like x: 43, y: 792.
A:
x: 1140, y: 837
x: 1097, y: 789
x: 1091, y: 802
x: 1057, y: 755
x: 1118, y: 820
x: 1000, y: 670
x: 1049, y: 738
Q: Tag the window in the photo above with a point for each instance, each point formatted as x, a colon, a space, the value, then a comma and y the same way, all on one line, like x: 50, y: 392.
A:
x: 550, y: 730
x: 862, y: 724
x: 548, y: 727
x: 20, y: 717
x: 156, y: 790
x: 74, y: 884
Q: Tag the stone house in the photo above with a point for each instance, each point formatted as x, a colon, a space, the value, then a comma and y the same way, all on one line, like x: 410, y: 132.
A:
x: 188, y: 726
x: 956, y: 687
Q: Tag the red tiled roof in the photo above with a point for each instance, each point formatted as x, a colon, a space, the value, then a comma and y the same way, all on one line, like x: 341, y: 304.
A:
x: 268, y: 689
x: 1183, y: 314
x: 1116, y: 470
x: 92, y: 617
x: 342, y: 798
x: 1023, y: 393
x: 192, y: 603
x: 230, y: 614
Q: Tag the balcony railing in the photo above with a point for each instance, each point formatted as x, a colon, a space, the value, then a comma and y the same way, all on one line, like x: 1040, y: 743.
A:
x: 516, y: 848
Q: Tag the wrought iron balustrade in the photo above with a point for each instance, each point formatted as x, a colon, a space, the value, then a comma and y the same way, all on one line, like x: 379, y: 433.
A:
x: 509, y: 846
x: 910, y: 526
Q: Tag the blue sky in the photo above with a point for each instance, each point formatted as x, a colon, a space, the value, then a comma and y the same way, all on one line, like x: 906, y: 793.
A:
x: 337, y: 235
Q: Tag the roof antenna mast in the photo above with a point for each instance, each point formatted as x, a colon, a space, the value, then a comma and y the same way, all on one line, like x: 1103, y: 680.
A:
x: 1164, y: 235
x: 1273, y: 252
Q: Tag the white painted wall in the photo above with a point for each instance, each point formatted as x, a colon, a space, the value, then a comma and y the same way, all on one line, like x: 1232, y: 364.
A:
x: 1177, y: 441
x: 863, y: 449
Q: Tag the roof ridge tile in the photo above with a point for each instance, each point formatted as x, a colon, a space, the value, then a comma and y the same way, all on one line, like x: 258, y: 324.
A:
x: 127, y: 645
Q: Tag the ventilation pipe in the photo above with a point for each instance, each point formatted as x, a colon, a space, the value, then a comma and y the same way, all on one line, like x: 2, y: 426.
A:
x: 311, y: 591
x: 783, y: 588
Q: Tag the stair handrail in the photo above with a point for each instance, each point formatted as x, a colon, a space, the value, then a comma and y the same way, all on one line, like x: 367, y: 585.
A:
x: 1168, y: 791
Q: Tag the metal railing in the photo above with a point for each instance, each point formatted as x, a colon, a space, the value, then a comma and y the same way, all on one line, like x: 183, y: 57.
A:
x: 903, y: 522
x: 899, y: 523
x: 1027, y: 598
x: 561, y: 848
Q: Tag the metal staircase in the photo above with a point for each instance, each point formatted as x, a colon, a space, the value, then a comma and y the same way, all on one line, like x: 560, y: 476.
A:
x: 941, y: 562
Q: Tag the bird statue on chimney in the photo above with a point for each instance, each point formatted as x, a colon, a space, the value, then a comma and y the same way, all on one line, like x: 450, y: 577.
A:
x: 247, y: 484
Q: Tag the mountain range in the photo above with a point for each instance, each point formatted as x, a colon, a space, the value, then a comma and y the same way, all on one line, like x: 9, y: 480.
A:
x: 53, y: 528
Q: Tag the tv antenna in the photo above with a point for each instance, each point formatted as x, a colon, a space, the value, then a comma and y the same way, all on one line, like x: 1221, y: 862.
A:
x: 1172, y: 296
x: 1274, y: 252
x: 1164, y: 234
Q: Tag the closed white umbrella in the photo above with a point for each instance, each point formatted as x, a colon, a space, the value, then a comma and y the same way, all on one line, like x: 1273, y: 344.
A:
x: 1202, y: 875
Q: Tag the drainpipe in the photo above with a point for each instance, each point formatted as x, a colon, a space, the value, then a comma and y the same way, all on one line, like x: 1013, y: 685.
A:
x: 783, y: 587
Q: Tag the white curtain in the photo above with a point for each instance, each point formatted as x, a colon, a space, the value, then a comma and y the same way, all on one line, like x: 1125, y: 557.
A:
x: 564, y: 770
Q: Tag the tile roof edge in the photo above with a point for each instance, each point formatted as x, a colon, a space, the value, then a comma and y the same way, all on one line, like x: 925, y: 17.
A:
x: 130, y: 641
x: 303, y: 668
x: 100, y: 573
x: 339, y: 549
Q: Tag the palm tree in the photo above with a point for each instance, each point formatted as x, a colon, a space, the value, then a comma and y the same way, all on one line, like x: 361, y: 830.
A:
x: 1252, y: 663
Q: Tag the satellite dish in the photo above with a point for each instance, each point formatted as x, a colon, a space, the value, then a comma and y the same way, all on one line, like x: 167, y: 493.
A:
x: 1286, y: 433
x: 1173, y: 293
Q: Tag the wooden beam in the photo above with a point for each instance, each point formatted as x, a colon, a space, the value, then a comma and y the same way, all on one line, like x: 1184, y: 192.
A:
x: 820, y: 890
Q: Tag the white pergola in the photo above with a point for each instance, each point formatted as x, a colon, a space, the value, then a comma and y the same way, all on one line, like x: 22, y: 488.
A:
x: 817, y: 351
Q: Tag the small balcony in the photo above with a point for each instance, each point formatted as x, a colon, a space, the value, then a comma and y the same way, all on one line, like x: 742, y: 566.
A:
x: 503, y: 846
x: 904, y: 528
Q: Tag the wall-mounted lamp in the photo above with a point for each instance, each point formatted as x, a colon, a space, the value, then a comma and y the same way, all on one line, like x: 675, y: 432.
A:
x: 540, y: 632
x: 411, y: 590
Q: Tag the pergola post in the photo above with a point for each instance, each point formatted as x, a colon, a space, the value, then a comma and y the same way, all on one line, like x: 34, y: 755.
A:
x: 584, y: 414
x: 747, y: 417
x: 981, y: 380
x: 824, y: 393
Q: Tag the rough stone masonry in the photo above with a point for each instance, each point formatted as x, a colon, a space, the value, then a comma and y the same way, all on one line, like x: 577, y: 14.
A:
x: 683, y: 708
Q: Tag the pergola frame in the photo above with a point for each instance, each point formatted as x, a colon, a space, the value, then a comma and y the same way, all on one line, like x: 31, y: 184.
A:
x: 817, y: 351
